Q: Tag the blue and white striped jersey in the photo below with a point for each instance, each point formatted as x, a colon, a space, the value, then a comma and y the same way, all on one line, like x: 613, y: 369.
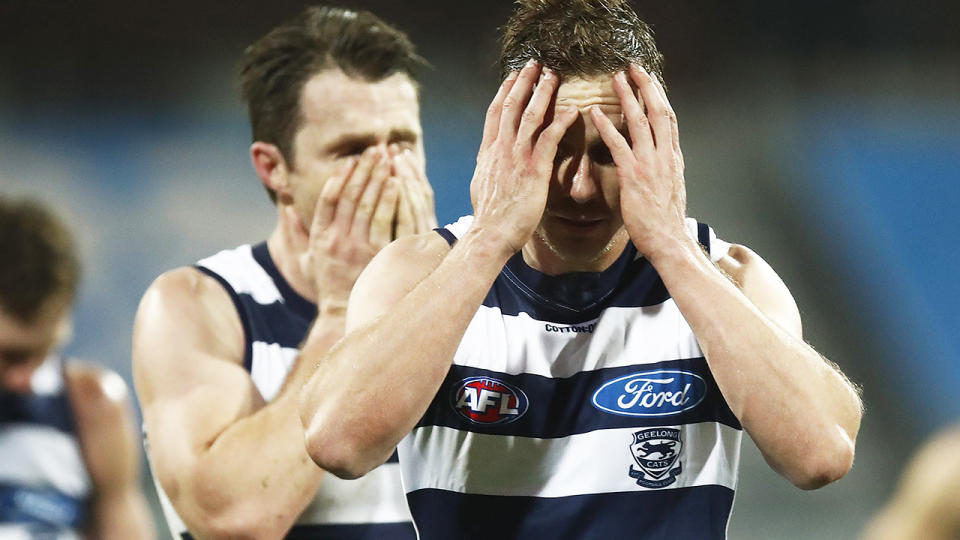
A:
x: 275, y: 321
x: 44, y: 484
x: 577, y: 406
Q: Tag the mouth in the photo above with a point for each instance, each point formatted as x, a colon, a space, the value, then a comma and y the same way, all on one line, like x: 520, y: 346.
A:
x: 583, y: 223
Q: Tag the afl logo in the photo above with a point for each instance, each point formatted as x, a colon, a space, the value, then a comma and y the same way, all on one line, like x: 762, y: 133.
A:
x: 483, y: 400
x: 651, y: 393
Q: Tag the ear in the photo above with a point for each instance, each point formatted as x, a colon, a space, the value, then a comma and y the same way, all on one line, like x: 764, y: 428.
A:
x: 271, y: 167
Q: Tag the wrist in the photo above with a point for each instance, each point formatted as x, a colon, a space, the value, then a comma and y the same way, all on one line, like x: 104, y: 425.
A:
x: 488, y: 242
x: 669, y: 250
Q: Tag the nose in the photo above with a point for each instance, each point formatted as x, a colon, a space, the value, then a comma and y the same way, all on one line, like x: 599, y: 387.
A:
x: 583, y: 187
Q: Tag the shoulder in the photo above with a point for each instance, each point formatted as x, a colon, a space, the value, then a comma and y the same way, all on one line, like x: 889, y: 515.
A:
x: 101, y: 405
x: 762, y: 285
x: 393, y: 273
x: 92, y: 386
x: 185, y: 305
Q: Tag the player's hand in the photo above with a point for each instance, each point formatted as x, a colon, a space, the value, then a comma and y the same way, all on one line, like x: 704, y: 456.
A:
x: 650, y: 168
x: 515, y: 161
x: 415, y: 208
x: 352, y: 221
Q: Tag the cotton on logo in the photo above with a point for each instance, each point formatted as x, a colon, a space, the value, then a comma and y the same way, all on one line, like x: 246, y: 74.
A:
x: 488, y: 401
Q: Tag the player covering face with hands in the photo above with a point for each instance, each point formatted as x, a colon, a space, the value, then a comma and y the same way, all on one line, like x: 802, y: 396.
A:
x: 222, y: 348
x: 578, y: 356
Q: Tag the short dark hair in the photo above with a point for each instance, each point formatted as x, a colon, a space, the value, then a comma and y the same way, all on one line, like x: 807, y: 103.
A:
x: 39, y: 263
x: 579, y: 38
x: 276, y: 66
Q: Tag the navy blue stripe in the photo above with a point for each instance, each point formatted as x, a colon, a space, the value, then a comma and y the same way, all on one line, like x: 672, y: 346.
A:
x: 364, y: 531
x: 274, y: 323
x: 703, y: 235
x: 52, y: 411
x: 241, y: 312
x: 447, y: 235
x: 563, y: 407
x: 394, y: 458
x: 687, y: 513
x: 300, y: 305
x: 45, y: 507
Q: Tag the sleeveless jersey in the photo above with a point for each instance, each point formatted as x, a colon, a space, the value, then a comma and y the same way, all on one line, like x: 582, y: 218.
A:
x: 275, y: 322
x: 44, y: 484
x: 577, y: 406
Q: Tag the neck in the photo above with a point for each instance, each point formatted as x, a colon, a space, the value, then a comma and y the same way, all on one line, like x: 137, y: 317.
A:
x: 286, y: 255
x: 548, y: 259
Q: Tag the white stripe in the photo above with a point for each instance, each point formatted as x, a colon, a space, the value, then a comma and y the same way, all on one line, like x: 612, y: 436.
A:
x: 41, y: 456
x: 270, y: 365
x: 520, y: 344
x: 596, y: 462
x: 23, y: 531
x: 460, y: 227
x: 243, y: 273
x: 376, y: 497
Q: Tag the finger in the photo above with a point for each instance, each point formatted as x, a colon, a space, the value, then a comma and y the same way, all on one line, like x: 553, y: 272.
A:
x: 367, y: 205
x: 637, y: 124
x: 546, y: 149
x: 658, y: 111
x: 516, y: 101
x: 619, y: 149
x: 674, y: 124
x: 349, y: 197
x: 420, y: 191
x: 381, y: 226
x: 532, y: 120
x: 329, y: 195
x: 405, y: 218
x: 492, y: 123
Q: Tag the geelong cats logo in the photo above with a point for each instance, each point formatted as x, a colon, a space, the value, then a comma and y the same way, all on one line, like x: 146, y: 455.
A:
x: 483, y: 400
x: 657, y: 452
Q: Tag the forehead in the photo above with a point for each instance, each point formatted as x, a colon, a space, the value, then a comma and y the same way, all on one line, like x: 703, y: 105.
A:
x: 43, y: 332
x: 582, y: 92
x: 334, y: 102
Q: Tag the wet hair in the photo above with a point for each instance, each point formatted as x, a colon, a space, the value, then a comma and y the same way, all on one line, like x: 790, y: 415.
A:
x: 276, y: 66
x: 578, y: 38
x: 39, y: 264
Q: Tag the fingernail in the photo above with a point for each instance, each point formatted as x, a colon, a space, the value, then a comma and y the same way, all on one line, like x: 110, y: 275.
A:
x: 620, y: 76
x: 511, y: 76
x: 530, y: 63
x: 548, y: 73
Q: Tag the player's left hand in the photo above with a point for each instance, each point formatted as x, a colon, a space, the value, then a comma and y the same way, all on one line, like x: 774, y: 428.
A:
x: 650, y: 168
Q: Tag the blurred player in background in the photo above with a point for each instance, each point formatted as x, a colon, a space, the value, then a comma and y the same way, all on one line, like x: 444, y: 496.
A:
x: 578, y: 359
x: 926, y: 505
x: 333, y: 104
x: 69, y: 450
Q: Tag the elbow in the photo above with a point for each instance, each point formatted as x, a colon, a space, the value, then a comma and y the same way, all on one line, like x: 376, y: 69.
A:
x: 337, y: 454
x: 824, y: 466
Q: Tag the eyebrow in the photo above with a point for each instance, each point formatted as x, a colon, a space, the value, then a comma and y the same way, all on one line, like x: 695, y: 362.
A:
x: 354, y: 140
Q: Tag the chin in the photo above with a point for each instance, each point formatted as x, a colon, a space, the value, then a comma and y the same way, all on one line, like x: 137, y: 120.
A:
x: 578, y: 251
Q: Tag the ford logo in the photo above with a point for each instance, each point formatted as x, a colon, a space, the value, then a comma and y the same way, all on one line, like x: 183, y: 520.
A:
x: 651, y: 393
x: 483, y: 400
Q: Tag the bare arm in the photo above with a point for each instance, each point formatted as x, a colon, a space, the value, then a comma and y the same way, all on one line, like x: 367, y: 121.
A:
x: 800, y: 410
x: 111, y: 451
x: 232, y: 465
x: 411, y: 307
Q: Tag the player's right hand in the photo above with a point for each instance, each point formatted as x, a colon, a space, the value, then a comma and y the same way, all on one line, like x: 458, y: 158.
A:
x: 352, y: 221
x: 515, y: 161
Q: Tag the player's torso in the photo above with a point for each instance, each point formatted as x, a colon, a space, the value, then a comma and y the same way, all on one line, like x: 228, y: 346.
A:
x: 580, y: 405
x: 44, y: 484
x: 275, y: 321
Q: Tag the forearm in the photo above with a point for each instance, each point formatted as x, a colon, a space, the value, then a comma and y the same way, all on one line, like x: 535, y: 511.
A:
x: 253, y: 480
x: 121, y: 515
x: 379, y: 380
x: 801, y: 412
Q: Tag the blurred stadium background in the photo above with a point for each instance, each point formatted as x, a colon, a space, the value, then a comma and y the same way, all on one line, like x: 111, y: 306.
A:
x: 823, y: 134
